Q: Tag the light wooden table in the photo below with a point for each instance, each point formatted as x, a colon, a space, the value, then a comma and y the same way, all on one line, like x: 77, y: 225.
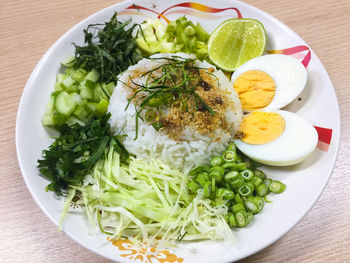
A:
x: 29, y: 28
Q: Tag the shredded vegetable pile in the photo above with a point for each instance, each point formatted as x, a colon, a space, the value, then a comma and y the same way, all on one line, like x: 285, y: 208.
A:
x: 147, y: 200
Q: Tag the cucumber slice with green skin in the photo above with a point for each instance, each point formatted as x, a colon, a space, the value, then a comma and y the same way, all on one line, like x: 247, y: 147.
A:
x: 59, y: 78
x: 79, y: 75
x: 86, y: 93
x: 93, y: 75
x: 100, y: 94
x: 58, y: 118
x: 88, y: 83
x: 50, y: 107
x: 54, y: 119
x: 102, y: 107
x: 68, y: 61
x: 109, y: 88
x: 65, y: 103
x: 73, y: 88
x: 67, y: 83
x: 73, y: 120
x: 81, y: 113
x: 92, y: 106
x: 69, y: 71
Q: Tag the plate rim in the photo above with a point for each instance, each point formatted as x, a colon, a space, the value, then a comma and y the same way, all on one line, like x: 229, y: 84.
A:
x: 46, y: 56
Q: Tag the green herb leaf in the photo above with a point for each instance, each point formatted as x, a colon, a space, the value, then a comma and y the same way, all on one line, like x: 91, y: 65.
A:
x: 70, y: 157
x: 109, y: 50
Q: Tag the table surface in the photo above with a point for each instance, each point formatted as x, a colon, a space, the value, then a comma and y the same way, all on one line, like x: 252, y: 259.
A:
x: 29, y: 28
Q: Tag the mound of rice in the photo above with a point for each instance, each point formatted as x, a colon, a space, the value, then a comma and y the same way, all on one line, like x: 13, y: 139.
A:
x: 194, y: 148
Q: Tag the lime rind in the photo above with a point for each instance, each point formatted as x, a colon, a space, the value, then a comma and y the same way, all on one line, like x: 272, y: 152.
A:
x: 246, y: 35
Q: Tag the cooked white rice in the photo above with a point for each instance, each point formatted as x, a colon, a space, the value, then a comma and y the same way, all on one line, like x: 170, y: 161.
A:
x: 183, y: 154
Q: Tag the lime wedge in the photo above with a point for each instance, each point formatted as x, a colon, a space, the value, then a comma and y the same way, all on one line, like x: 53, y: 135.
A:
x: 236, y: 41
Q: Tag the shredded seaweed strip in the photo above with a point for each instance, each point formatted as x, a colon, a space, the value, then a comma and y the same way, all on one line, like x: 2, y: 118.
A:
x: 109, y: 50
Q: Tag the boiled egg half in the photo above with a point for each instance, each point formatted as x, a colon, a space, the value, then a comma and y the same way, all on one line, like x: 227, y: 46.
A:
x: 269, y: 82
x: 278, y: 138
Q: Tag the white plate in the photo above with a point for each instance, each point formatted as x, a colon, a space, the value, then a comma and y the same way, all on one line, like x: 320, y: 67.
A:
x: 305, y: 182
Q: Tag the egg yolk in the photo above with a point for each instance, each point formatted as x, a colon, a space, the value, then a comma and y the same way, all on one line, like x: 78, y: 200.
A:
x: 255, y: 89
x: 262, y: 127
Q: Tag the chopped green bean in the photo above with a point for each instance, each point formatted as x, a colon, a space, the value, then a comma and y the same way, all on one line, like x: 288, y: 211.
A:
x: 233, y: 181
x: 213, y: 186
x: 245, y: 190
x: 231, y: 147
x: 218, y: 169
x: 260, y: 174
x: 257, y: 181
x: 207, y: 189
x: 193, y: 186
x: 218, y: 201
x: 267, y: 182
x: 196, y: 170
x: 247, y: 174
x: 231, y: 176
x: 216, y: 172
x: 277, y: 187
x: 229, y: 156
x: 216, y: 161
x: 250, y: 217
x: 250, y: 205
x: 259, y: 202
x: 237, y: 183
x: 202, y: 178
x: 262, y: 190
x: 238, y: 199
x: 241, y: 218
x: 232, y: 220
x: 238, y: 207
x: 225, y: 193
x: 234, y: 166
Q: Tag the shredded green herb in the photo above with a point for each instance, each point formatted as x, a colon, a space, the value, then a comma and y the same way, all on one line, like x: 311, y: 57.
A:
x: 109, y: 50
x: 69, y: 158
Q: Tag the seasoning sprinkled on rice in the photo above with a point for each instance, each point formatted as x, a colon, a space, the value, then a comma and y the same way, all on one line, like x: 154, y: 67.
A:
x: 176, y: 109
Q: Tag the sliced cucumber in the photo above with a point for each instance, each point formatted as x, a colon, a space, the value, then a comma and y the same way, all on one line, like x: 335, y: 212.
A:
x: 77, y: 98
x: 102, y: 107
x: 58, y: 118
x: 47, y: 120
x: 68, y: 61
x: 100, y: 93
x: 67, y: 83
x: 109, y: 88
x: 81, y: 113
x: 59, y: 78
x: 69, y: 71
x: 73, y: 120
x: 92, y: 106
x: 55, y: 118
x: 93, y: 75
x: 86, y: 93
x: 50, y: 107
x: 65, y: 103
x: 73, y: 88
x: 79, y: 75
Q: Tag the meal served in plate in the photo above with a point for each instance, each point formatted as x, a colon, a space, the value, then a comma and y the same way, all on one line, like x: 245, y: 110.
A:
x: 159, y: 140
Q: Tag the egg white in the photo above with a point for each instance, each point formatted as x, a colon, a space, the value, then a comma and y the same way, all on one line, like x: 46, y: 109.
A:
x: 288, y: 73
x: 298, y: 140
